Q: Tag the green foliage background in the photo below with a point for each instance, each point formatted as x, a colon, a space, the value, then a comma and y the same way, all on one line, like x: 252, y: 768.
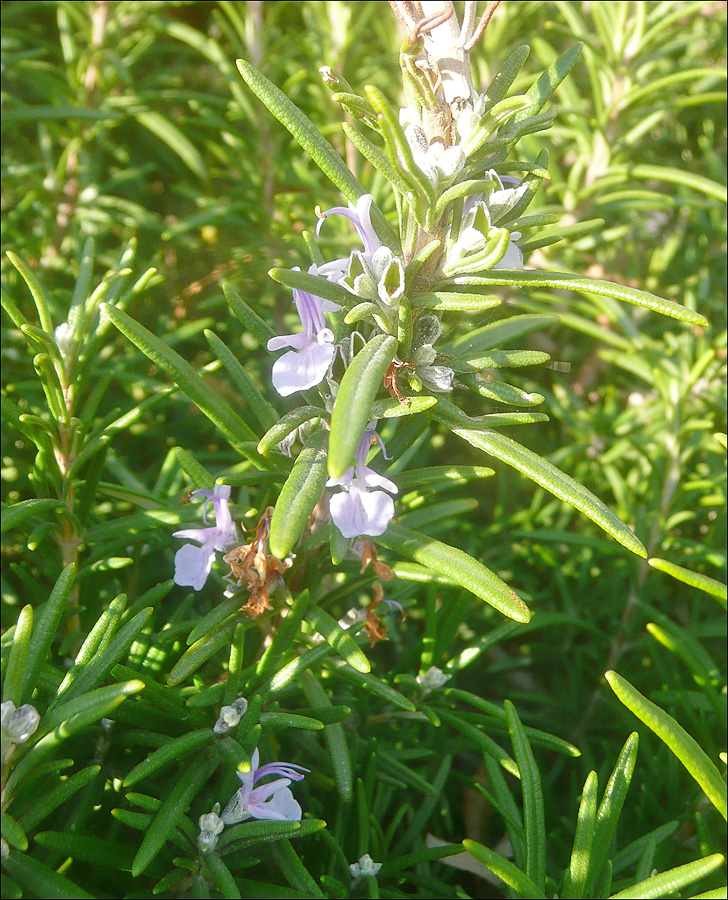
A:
x: 128, y: 123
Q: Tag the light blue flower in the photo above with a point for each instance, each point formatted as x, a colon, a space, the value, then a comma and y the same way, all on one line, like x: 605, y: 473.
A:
x: 307, y: 363
x: 192, y: 564
x: 268, y: 801
x: 358, y: 510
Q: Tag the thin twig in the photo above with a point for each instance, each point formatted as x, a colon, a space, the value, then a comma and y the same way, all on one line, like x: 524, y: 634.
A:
x: 466, y: 29
x: 426, y: 25
x: 482, y: 25
x: 405, y: 13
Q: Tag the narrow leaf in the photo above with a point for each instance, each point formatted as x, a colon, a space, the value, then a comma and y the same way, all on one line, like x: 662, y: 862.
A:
x: 354, y: 400
x: 561, y: 281
x: 456, y: 564
x: 312, y: 141
x: 300, y: 494
x: 669, y: 883
x: 170, y: 813
x: 686, y: 748
x: 505, y: 870
x: 549, y: 477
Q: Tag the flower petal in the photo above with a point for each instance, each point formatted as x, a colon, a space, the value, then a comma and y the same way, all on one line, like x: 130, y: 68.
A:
x: 282, y: 807
x: 358, y: 512
x: 373, y: 479
x: 298, y: 371
x: 192, y: 565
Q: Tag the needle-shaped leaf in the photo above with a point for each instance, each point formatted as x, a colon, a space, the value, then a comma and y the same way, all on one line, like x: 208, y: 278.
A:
x: 337, y: 637
x: 299, y: 495
x: 170, y: 813
x: 694, y: 579
x: 562, y: 281
x: 22, y: 636
x: 172, y: 751
x: 313, y: 142
x: 290, y: 422
x: 667, y: 884
x: 335, y: 738
x: 316, y: 285
x: 548, y: 476
x: 546, y: 84
x: 184, y: 376
x: 458, y: 565
x: 610, y: 809
x: 576, y: 876
x: 685, y: 747
x: 354, y: 400
x: 533, y: 805
x: 45, y: 628
x: 505, y: 870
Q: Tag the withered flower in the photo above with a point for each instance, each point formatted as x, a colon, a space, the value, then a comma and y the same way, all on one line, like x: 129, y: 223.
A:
x: 252, y: 565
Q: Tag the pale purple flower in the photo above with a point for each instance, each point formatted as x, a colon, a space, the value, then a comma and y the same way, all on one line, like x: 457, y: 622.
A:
x: 358, y: 510
x: 313, y: 349
x: 192, y: 564
x: 273, y: 800
x: 360, y: 216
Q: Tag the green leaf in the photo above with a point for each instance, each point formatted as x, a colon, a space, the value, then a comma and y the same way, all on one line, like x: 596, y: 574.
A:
x: 500, y: 85
x: 39, y: 880
x: 300, y: 494
x: 13, y: 833
x: 393, y: 408
x: 685, y: 748
x: 186, y: 378
x: 450, y: 301
x: 89, y: 849
x: 549, y: 477
x: 172, y: 751
x: 376, y: 686
x: 37, y: 291
x: 546, y: 84
x: 173, y: 808
x: 174, y: 139
x: 354, y: 399
x: 201, y: 651
x: 496, y: 334
x: 17, y: 513
x: 105, y: 659
x: 694, y: 579
x: 456, y: 564
x: 505, y: 870
x: 565, y: 282
x: 250, y: 319
x: 481, y: 740
x: 576, y: 877
x: 43, y: 805
x: 335, y: 738
x: 293, y: 870
x: 313, y: 142
x: 339, y: 639
x: 222, y: 877
x: 377, y: 158
x: 533, y: 805
x: 45, y: 628
x: 669, y: 883
x: 497, y: 359
x: 316, y: 285
x: 609, y: 812
x: 22, y: 636
x: 258, y: 405
x: 290, y: 422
